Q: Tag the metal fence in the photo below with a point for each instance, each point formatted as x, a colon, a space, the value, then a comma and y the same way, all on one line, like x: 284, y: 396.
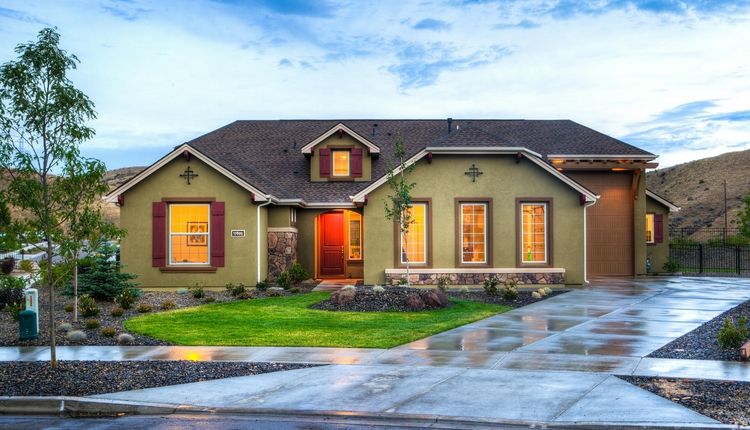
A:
x: 720, y: 260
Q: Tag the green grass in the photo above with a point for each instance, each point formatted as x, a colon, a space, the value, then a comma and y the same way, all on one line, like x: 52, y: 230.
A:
x: 287, y: 321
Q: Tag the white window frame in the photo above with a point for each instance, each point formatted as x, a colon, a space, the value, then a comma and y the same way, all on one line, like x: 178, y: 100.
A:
x: 461, y: 230
x: 170, y: 234
x: 359, y: 219
x: 401, y: 238
x: 348, y: 163
x: 546, y: 232
x: 653, y: 228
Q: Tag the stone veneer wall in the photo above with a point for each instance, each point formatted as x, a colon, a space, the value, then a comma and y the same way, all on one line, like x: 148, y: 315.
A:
x: 476, y: 278
x: 282, y: 250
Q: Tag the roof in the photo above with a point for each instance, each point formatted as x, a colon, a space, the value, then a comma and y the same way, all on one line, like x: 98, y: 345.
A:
x: 659, y: 199
x: 267, y: 153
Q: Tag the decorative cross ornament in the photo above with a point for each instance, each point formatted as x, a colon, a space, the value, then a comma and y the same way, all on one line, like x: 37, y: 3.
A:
x: 189, y: 174
x: 473, y: 173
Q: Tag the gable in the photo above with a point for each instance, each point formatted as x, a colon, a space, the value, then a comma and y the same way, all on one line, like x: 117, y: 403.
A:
x: 340, y: 129
x: 343, y: 142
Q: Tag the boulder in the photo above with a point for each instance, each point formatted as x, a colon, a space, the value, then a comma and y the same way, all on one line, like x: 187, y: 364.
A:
x: 343, y: 296
x: 414, y: 302
x: 434, y: 298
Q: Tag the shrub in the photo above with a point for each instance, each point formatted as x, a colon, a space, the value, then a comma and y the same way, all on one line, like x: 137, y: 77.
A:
x: 542, y: 292
x: 7, y: 265
x: 510, y: 291
x: 402, y: 281
x: 76, y: 336
x: 198, y: 292
x: 348, y: 287
x: 65, y: 327
x: 91, y: 324
x: 442, y: 283
x: 87, y: 306
x: 536, y: 295
x: 26, y: 265
x: 732, y: 336
x: 274, y: 293
x: 14, y: 309
x: 548, y: 290
x: 125, y: 339
x: 109, y: 332
x: 117, y: 312
x: 235, y: 289
x: 247, y: 295
x: 69, y: 307
x: 378, y: 289
x: 262, y: 285
x: 297, y: 273
x: 126, y: 299
x: 284, y: 280
x: 144, y: 308
x: 490, y: 286
x: 210, y: 299
x: 167, y: 305
x: 103, y: 279
x: 464, y: 289
x: 11, y: 290
x: 671, y: 266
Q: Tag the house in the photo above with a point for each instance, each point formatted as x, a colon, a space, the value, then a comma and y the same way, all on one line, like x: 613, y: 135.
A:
x: 547, y: 202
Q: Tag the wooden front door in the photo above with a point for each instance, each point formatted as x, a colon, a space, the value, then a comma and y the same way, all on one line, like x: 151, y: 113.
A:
x: 331, y: 248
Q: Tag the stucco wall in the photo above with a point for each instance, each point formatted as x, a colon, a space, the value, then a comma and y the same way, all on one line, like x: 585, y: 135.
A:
x: 278, y: 216
x: 334, y: 142
x: 639, y: 228
x: 240, y: 213
x: 503, y: 180
x: 658, y: 252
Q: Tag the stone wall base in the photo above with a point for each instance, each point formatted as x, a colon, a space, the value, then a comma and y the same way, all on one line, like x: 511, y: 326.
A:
x: 282, y: 250
x: 526, y: 278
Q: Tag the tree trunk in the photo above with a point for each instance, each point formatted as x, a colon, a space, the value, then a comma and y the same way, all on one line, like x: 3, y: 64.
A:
x: 75, y: 290
x: 406, y: 244
x: 51, y: 286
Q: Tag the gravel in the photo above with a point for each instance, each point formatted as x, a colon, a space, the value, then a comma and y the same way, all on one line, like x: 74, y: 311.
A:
x: 701, y: 343
x: 85, y: 378
x: 524, y: 297
x: 725, y: 401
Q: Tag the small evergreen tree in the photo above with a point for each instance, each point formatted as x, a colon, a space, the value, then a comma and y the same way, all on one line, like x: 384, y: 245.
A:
x: 398, y: 203
x: 103, y: 279
x: 743, y: 218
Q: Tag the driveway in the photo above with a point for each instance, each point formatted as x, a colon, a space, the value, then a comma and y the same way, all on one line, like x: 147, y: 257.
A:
x: 550, y: 362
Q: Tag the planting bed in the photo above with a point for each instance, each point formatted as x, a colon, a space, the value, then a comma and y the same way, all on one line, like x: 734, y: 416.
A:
x: 701, y: 343
x: 85, y: 378
x: 725, y: 401
x: 524, y: 297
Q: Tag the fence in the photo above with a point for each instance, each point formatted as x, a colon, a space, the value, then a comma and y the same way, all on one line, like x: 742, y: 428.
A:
x: 721, y: 260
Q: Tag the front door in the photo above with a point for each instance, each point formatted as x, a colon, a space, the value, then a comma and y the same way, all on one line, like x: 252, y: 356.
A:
x: 331, y: 238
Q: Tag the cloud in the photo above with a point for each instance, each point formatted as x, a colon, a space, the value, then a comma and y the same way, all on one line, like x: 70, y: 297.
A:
x: 432, y: 24
x: 20, y: 16
x: 125, y: 9
x: 738, y: 116
x: 305, y: 8
x: 686, y: 111
x: 285, y: 63
x: 524, y: 24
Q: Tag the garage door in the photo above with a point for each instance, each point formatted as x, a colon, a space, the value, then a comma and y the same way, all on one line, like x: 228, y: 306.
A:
x: 610, y: 223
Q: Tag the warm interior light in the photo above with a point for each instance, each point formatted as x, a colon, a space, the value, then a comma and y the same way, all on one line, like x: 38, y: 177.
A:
x: 618, y: 169
x: 558, y: 161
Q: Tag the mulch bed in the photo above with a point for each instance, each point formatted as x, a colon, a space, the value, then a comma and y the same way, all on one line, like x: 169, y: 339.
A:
x: 701, y: 343
x: 394, y: 299
x: 725, y: 401
x: 85, y: 378
x: 9, y: 327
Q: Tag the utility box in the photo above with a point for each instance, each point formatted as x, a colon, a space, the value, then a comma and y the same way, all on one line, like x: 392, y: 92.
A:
x: 31, y: 300
x: 28, y: 327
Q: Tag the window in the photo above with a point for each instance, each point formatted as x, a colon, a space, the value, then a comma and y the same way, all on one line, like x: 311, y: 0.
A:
x: 355, y: 236
x: 413, y: 244
x: 340, y: 163
x: 189, y: 233
x: 650, y: 231
x: 533, y: 232
x: 473, y: 231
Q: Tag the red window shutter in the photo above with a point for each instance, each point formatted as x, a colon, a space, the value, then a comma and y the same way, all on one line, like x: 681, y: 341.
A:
x: 159, y: 234
x: 217, y: 234
x: 325, y: 162
x: 658, y: 228
x: 356, y: 162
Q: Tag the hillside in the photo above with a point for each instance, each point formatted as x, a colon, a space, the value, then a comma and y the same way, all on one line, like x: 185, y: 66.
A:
x: 697, y: 187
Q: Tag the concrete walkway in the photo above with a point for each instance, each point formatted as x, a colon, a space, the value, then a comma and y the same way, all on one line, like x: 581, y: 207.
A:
x: 551, y: 361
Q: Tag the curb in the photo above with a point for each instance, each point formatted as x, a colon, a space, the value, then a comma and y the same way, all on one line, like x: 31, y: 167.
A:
x: 91, y: 407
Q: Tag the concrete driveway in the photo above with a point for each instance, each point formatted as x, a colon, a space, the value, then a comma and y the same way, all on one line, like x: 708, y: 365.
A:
x: 550, y: 362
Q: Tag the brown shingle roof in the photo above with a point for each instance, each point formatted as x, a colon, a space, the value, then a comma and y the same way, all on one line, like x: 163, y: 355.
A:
x: 267, y: 153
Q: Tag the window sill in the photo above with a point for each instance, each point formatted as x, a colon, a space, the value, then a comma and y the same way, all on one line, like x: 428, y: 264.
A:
x: 188, y: 269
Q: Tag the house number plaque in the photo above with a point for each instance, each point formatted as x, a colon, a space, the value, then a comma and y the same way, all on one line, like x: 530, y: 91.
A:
x: 238, y: 233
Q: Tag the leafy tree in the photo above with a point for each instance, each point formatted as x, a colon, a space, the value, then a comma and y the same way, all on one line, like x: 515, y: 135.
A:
x: 42, y: 124
x: 398, y: 203
x: 744, y: 218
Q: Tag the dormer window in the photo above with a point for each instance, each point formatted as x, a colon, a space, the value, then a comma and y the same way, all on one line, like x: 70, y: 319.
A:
x: 341, y: 162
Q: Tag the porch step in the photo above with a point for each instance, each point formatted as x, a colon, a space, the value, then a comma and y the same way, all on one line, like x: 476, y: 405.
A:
x: 335, y: 284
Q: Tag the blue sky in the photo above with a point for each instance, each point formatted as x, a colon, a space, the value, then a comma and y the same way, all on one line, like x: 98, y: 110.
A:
x: 670, y: 76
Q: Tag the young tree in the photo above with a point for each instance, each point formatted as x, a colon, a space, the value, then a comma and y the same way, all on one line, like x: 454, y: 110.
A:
x: 398, y: 204
x: 42, y: 124
x: 743, y: 219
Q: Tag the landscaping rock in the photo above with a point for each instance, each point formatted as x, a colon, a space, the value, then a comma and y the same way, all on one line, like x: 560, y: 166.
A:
x: 434, y: 298
x: 414, y: 302
x: 343, y: 296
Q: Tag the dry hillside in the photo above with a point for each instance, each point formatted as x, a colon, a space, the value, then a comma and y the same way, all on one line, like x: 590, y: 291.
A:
x: 698, y: 188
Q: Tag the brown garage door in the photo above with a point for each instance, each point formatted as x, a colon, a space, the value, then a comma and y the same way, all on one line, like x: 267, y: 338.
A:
x: 610, y: 223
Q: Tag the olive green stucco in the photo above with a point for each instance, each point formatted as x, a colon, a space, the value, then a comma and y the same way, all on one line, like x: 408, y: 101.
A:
x: 658, y: 252
x: 503, y: 180
x: 240, y: 214
x: 334, y: 142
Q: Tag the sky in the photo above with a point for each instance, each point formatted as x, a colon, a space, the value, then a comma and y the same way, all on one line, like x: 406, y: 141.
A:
x: 672, y: 77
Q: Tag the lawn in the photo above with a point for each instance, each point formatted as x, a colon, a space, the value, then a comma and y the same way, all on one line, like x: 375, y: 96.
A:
x: 287, y: 321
